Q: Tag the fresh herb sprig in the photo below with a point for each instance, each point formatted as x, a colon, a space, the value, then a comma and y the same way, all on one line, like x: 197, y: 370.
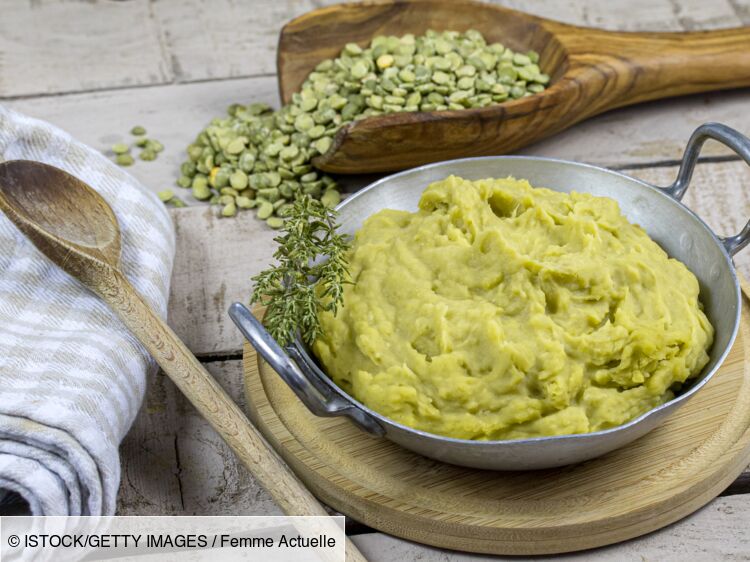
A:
x: 309, y: 275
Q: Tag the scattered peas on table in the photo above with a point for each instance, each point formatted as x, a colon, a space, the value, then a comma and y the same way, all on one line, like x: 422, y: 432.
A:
x: 150, y: 148
x: 124, y: 159
x: 147, y: 154
x: 168, y: 197
x: 257, y: 158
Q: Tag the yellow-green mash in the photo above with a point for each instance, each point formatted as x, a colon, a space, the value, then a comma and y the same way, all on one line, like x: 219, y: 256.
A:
x: 503, y: 311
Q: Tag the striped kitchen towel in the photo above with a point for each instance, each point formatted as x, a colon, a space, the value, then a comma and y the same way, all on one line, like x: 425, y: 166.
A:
x: 71, y: 376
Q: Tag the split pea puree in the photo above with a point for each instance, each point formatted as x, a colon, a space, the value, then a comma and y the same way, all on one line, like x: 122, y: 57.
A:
x: 503, y: 311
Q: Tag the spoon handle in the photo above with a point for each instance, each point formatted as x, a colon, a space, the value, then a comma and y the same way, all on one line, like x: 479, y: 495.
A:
x: 614, y: 69
x: 212, y: 402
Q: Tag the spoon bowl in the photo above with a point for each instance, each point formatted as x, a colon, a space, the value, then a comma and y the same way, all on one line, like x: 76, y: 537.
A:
x: 52, y: 205
x: 591, y: 71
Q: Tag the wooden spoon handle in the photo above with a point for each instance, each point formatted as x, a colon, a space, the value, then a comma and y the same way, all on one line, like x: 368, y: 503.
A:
x: 615, y: 69
x: 212, y: 402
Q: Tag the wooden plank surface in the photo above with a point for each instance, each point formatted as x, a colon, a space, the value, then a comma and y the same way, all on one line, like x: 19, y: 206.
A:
x: 151, y: 482
x: 225, y: 38
x: 637, y: 15
x: 174, y: 114
x: 214, y: 262
x: 51, y: 47
x: 145, y: 43
x: 175, y: 464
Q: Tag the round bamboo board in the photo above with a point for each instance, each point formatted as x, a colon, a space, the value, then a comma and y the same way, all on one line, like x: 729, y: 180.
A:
x: 662, y: 477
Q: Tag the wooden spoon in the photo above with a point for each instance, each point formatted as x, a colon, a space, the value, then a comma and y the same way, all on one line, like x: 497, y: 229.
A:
x: 591, y: 71
x: 75, y: 228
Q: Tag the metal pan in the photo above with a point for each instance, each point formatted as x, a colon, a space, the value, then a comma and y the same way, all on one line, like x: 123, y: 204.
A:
x: 658, y: 210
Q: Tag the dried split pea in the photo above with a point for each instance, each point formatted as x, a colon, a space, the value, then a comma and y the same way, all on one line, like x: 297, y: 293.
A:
x: 265, y: 210
x: 270, y: 153
x: 165, y: 195
x: 124, y: 160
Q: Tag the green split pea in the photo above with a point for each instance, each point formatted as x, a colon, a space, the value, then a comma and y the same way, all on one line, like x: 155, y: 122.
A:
x: 265, y: 156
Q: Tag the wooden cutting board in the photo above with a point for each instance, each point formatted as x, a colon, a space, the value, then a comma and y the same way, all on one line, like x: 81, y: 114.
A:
x: 662, y: 477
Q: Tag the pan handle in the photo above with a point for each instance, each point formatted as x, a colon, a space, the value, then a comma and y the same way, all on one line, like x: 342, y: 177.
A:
x: 315, y: 395
x: 729, y: 137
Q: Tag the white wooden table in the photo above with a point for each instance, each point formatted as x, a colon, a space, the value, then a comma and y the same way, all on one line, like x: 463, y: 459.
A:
x: 98, y: 67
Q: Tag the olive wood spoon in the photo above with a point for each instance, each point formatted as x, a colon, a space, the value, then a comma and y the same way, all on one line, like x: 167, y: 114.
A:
x: 75, y: 228
x: 591, y: 71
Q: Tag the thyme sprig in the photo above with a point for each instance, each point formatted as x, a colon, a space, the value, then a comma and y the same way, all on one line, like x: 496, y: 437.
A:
x: 309, y: 275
